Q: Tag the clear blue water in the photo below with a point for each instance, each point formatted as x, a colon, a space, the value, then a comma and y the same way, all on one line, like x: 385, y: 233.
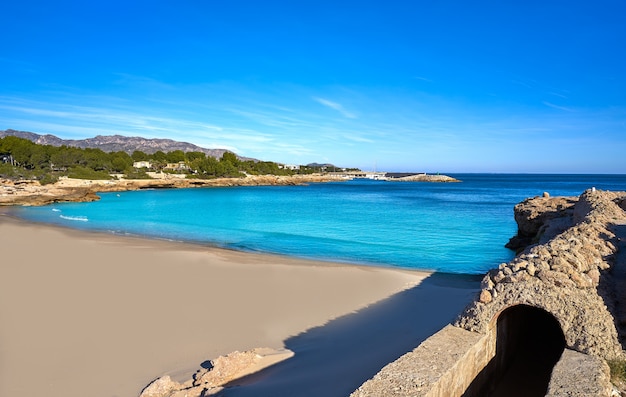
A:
x: 447, y: 227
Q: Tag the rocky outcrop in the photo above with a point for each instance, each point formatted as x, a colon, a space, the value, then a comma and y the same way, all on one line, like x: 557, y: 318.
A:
x: 541, y: 218
x: 211, y: 379
x: 32, y: 193
x: 27, y: 192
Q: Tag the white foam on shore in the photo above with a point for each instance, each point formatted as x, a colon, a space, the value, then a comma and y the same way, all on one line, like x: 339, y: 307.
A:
x: 74, y: 218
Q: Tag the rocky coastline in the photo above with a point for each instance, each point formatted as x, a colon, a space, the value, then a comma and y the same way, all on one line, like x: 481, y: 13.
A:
x: 32, y: 193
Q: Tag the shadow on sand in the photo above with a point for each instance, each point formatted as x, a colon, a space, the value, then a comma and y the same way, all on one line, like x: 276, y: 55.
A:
x: 336, y: 358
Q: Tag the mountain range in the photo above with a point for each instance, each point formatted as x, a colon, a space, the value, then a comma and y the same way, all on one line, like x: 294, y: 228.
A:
x: 128, y: 144
x: 116, y: 143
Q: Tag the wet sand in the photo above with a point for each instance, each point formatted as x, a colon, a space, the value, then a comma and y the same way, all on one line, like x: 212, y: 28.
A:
x: 95, y: 314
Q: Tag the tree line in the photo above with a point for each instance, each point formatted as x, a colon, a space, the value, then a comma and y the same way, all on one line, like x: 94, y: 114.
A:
x: 47, y: 163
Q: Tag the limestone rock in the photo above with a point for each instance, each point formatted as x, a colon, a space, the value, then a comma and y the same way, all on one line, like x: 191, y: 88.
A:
x: 533, y: 213
x: 78, y: 190
x: 161, y: 387
x: 223, y: 370
x: 485, y: 296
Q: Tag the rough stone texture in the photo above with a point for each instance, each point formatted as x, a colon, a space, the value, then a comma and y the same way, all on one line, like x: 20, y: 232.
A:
x: 225, y: 368
x: 567, y: 272
x: 210, y: 380
x: 444, y: 364
x: 567, y: 276
x: 27, y: 192
x: 163, y: 386
x: 536, y: 217
x: 579, y: 375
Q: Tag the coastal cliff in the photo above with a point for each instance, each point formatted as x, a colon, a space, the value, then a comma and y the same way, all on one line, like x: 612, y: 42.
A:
x: 562, y: 297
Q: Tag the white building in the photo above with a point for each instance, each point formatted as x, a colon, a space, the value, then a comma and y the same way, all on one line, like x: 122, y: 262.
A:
x: 142, y: 164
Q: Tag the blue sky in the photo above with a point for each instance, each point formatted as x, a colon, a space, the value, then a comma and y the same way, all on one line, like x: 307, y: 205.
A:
x: 435, y: 86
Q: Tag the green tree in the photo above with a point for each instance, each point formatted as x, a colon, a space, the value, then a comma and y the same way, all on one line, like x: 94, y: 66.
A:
x: 120, y: 161
x: 175, y: 156
x: 65, y: 157
x: 96, y: 159
x: 138, y: 155
x: 21, y: 149
x: 206, y: 166
x: 159, y: 156
x: 191, y: 156
x: 230, y: 157
x: 40, y: 157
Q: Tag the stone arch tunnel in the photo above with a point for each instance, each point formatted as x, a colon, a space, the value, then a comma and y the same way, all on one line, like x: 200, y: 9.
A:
x: 538, y: 322
x: 529, y: 342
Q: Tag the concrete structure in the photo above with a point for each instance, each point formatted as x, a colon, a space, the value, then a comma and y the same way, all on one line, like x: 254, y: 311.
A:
x: 542, y: 324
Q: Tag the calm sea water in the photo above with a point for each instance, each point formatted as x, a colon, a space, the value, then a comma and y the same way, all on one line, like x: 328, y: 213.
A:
x: 447, y: 227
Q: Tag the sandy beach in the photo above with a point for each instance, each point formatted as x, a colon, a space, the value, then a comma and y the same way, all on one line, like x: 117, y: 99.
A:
x: 102, y: 315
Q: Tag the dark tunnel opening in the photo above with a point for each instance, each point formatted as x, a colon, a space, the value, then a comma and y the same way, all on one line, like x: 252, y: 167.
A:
x: 529, y: 342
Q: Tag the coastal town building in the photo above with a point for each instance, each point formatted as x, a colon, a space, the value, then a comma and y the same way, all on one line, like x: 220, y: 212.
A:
x: 180, y: 166
x: 291, y: 167
x: 142, y: 164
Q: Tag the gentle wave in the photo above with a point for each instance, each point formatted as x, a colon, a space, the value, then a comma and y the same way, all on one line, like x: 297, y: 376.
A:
x: 74, y: 218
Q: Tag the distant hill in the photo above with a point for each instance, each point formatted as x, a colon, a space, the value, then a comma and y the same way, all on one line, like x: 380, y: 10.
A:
x: 116, y: 143
x: 318, y: 165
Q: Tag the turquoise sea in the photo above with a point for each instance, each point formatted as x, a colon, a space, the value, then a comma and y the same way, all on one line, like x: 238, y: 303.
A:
x: 447, y: 227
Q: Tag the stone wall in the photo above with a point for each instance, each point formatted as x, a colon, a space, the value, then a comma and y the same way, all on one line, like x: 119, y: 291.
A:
x: 568, y: 269
x: 443, y: 365
x: 568, y: 276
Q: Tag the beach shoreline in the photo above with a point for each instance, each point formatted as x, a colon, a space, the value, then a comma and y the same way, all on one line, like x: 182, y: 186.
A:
x: 90, y: 313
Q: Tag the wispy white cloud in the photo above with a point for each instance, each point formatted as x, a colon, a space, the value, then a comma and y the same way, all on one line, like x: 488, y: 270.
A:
x: 358, y: 138
x: 422, y: 79
x: 270, y: 118
x: 558, y: 95
x: 65, y: 117
x: 287, y: 126
x: 558, y: 107
x: 336, y: 106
